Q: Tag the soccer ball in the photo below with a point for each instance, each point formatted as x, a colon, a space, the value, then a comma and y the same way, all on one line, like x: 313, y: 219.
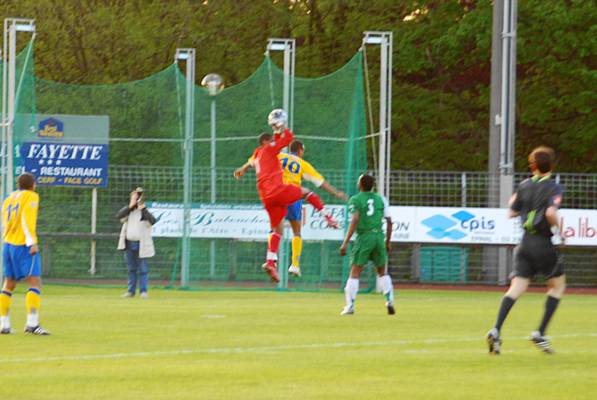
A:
x: 277, y: 119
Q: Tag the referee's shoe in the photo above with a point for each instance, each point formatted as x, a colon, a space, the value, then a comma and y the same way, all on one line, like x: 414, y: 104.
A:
x: 493, y: 341
x: 541, y: 342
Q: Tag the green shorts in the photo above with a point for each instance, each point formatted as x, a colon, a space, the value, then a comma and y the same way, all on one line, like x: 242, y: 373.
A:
x: 369, y: 246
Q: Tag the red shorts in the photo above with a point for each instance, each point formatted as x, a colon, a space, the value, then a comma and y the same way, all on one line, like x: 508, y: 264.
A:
x: 277, y: 205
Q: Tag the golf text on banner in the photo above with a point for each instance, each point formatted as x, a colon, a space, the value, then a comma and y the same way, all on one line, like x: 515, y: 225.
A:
x: 67, y: 150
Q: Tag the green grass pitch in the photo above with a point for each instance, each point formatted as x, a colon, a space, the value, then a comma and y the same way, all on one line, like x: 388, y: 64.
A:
x: 273, y: 345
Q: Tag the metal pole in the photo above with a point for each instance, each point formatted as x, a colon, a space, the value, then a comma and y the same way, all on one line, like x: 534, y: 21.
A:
x: 11, y: 27
x: 288, y: 46
x: 212, y: 244
x: 12, y: 54
x: 502, y: 118
x: 189, y: 56
x: 385, y: 41
x: 92, y: 268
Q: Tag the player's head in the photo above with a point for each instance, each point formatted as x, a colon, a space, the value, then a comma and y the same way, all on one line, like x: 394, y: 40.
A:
x: 297, y: 147
x: 265, y: 138
x: 366, y: 183
x: 542, y: 159
x: 26, y: 181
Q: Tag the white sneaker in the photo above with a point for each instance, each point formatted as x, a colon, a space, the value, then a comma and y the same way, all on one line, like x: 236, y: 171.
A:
x: 347, y: 310
x: 144, y: 295
x: 294, y: 270
x: 127, y: 294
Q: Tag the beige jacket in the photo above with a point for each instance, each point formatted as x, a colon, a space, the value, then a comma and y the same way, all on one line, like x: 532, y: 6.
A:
x: 146, y: 247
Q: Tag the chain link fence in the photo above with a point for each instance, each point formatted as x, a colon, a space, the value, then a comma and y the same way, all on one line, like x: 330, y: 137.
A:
x: 65, y: 230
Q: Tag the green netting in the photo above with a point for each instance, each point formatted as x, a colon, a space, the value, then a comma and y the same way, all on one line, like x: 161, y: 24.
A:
x: 328, y: 118
x: 146, y: 149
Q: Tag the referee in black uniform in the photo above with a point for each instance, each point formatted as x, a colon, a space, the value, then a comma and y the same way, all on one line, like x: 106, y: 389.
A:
x: 536, y: 202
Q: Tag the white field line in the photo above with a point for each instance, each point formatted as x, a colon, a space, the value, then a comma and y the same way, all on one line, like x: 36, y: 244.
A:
x: 260, y: 349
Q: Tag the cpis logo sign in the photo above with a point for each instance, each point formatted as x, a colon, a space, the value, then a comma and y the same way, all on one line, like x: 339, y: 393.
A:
x: 457, y: 225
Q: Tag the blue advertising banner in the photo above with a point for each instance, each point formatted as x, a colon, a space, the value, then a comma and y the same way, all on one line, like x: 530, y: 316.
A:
x: 66, y: 164
x: 66, y: 150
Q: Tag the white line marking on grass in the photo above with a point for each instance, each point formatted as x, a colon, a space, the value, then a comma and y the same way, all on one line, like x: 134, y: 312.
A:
x: 258, y: 349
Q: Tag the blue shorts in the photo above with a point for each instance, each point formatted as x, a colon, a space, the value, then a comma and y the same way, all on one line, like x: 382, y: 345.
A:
x: 295, y: 211
x: 18, y: 263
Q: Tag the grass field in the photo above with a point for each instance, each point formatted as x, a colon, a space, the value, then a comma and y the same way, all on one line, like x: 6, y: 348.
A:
x: 270, y: 345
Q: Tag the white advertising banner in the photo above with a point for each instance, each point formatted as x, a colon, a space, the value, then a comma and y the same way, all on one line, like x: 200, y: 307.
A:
x: 410, y: 224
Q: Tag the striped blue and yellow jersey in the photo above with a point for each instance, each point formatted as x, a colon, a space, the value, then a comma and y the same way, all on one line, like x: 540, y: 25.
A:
x: 19, y: 218
x: 295, y: 169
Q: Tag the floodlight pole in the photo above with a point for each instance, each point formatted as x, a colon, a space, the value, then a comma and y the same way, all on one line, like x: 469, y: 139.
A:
x: 385, y: 41
x: 288, y: 46
x: 9, y: 51
x: 502, y: 115
x: 187, y: 55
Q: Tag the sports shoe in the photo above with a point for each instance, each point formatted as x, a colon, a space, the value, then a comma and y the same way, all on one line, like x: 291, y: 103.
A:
x: 36, y: 330
x: 493, y: 341
x: 390, y: 307
x: 294, y: 270
x: 271, y: 271
x: 347, y: 310
x: 5, y: 331
x: 144, y: 295
x: 127, y: 294
x: 541, y: 342
x: 332, y: 223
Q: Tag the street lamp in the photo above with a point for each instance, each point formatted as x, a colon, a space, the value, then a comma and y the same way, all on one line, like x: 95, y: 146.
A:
x: 214, y: 84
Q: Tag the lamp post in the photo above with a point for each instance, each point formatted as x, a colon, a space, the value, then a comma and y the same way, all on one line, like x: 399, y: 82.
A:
x: 188, y: 56
x: 214, y: 85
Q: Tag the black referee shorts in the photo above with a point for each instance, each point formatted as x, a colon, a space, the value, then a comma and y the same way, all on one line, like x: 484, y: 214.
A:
x: 536, y: 254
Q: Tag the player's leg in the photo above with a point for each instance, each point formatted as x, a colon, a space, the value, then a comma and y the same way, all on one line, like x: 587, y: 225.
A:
x: 523, y: 272
x: 351, y: 289
x: 556, y: 284
x: 318, y: 204
x: 379, y: 256
x: 276, y: 216
x: 33, y: 296
x: 10, y: 282
x: 130, y: 257
x: 295, y: 218
x: 5, y: 303
x: 143, y: 277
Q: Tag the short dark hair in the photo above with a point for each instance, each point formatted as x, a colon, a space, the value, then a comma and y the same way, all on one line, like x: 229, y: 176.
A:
x: 367, y: 182
x: 26, y: 181
x: 296, y: 146
x: 542, y: 158
x: 264, y: 136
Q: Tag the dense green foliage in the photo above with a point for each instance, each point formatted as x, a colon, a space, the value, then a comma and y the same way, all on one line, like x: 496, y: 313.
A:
x: 441, y: 60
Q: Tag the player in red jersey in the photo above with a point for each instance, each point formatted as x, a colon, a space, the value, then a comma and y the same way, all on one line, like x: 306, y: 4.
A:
x: 275, y: 195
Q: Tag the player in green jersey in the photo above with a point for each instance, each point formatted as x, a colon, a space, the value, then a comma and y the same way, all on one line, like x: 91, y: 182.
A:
x: 368, y: 210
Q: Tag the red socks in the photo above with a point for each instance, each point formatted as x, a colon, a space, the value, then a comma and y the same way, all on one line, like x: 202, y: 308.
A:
x: 315, y: 201
x: 273, y: 242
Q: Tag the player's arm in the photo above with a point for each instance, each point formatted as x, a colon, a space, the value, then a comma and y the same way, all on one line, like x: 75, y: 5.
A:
x: 352, y: 227
x: 335, y: 192
x: 282, y: 140
x: 29, y: 221
x: 388, y: 217
x: 312, y: 175
x: 245, y: 167
x: 551, y: 213
x: 515, y: 206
